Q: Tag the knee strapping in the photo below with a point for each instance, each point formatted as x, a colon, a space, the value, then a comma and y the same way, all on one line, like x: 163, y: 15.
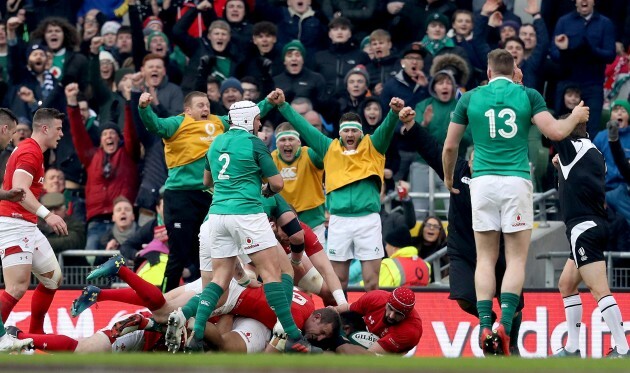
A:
x: 312, y: 281
x: 53, y: 282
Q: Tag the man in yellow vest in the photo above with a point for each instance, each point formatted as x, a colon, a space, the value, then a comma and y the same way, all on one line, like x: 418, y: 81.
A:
x: 302, y: 171
x: 354, y: 174
x: 403, y: 267
x: 187, y: 138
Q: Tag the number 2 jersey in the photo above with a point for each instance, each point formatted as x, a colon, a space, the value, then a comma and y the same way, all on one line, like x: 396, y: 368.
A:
x: 27, y: 158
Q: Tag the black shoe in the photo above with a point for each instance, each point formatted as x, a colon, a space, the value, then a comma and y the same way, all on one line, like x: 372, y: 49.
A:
x: 194, y: 345
x: 13, y: 331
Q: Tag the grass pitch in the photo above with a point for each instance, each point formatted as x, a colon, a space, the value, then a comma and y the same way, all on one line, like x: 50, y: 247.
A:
x: 145, y: 362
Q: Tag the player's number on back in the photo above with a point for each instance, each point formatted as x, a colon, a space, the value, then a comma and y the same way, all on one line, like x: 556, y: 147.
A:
x: 224, y: 157
x: 510, y: 121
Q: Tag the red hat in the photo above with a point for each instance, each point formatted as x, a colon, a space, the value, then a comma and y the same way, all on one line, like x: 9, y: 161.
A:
x: 402, y: 300
x: 152, y: 20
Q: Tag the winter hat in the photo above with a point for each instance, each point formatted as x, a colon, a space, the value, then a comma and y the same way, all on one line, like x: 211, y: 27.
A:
x: 512, y: 24
x: 437, y: 17
x: 121, y: 73
x: 35, y: 47
x: 294, y: 45
x: 434, y: 78
x: 623, y: 103
x: 402, y: 300
x: 231, y: 82
x: 106, y: 56
x: 157, y: 33
x: 358, y: 69
x: 398, y: 236
x: 365, y: 41
x: 110, y: 125
x: 150, y: 21
x: 110, y: 27
x: 455, y: 64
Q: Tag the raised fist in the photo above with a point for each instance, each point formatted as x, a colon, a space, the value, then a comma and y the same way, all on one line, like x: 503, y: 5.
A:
x: 145, y: 99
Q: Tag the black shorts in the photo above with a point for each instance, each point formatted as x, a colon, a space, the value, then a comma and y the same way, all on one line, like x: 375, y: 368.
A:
x: 462, y: 279
x: 588, y: 240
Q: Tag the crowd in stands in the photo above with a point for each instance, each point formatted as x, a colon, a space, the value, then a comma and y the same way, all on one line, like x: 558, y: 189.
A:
x: 92, y: 59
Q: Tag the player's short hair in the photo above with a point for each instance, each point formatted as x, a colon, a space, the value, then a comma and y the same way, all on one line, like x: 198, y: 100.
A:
x: 380, y: 34
x: 189, y: 97
x: 501, y: 62
x: 284, y: 126
x: 264, y: 27
x: 151, y: 56
x: 352, y: 321
x: 7, y: 118
x: 45, y: 116
x: 329, y: 316
x: 350, y: 117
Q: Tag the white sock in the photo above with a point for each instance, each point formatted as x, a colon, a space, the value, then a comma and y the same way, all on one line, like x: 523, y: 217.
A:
x: 612, y: 316
x: 340, y: 298
x: 573, y: 313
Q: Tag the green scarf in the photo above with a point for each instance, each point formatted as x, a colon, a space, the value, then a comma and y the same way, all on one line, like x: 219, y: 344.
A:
x: 435, y: 46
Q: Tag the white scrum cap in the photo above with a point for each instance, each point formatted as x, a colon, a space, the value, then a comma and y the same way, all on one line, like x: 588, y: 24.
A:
x: 242, y: 114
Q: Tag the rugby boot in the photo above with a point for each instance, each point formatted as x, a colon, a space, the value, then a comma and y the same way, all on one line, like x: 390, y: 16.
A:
x: 108, y: 269
x: 85, y: 300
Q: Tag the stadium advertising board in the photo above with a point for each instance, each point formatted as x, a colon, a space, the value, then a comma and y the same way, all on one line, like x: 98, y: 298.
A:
x: 448, y: 331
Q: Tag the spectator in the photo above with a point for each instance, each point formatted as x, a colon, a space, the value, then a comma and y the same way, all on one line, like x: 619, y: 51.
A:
x: 462, y: 34
x: 297, y: 21
x: 436, y: 42
x: 75, y: 240
x: 168, y: 98
x: 407, y: 26
x: 32, y: 84
x: 61, y: 39
x: 434, y: 113
x: 124, y: 44
x: 153, y: 230
x: 360, y: 13
x: 367, y: 47
x: 402, y: 267
x: 495, y: 13
x: 531, y: 66
x: 297, y: 80
x: 111, y: 169
x: 236, y: 15
x: 23, y: 131
x: 231, y: 92
x: 223, y: 57
x: 264, y: 59
x: 341, y: 56
x: 617, y: 196
x: 108, y: 33
x: 384, y: 64
x: 4, y: 59
x: 570, y: 99
x: 356, y: 82
x: 251, y: 88
x: 431, y: 239
x: 267, y: 135
x: 410, y: 82
x: 54, y: 181
x: 123, y: 228
x: 508, y: 29
x: 584, y: 42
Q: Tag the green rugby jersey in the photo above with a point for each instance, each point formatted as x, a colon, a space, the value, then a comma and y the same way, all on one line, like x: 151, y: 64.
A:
x: 238, y: 161
x: 500, y: 114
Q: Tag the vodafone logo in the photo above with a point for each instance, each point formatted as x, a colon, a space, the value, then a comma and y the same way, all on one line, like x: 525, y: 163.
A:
x: 518, y: 222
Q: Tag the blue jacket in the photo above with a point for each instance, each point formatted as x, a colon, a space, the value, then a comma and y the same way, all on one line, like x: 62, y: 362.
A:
x: 591, y: 47
x: 613, y: 176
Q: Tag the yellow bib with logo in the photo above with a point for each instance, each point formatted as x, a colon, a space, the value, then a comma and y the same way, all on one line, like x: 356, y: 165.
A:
x: 191, y: 141
x: 344, y: 166
x: 302, y: 181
